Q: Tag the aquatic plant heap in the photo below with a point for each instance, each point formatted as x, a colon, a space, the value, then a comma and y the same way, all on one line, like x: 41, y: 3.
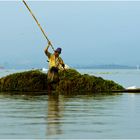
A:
x: 33, y: 80
x: 70, y: 81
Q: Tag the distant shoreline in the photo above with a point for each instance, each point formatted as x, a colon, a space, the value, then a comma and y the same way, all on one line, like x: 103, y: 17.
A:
x: 106, y: 67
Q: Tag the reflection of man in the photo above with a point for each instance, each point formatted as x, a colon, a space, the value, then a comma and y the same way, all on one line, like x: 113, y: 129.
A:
x: 54, y: 114
x: 55, y: 64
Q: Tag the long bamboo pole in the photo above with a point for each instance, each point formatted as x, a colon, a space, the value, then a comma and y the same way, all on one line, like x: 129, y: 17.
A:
x: 37, y: 23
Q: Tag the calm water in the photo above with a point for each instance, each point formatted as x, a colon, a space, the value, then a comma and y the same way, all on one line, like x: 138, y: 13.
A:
x: 114, y: 116
x: 125, y: 77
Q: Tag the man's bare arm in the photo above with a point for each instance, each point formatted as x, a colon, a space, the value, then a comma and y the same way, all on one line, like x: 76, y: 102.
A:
x: 46, y: 50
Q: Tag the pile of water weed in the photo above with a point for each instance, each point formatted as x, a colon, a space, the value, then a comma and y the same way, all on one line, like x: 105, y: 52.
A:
x: 70, y: 81
x: 33, y: 80
x: 73, y: 81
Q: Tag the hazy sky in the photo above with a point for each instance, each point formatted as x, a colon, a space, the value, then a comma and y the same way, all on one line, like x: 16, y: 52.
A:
x: 89, y: 32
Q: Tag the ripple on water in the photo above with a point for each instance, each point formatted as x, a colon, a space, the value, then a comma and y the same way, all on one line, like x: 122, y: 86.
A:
x: 70, y: 117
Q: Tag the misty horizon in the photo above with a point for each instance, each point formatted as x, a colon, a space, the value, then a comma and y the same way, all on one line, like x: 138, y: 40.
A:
x: 89, y: 32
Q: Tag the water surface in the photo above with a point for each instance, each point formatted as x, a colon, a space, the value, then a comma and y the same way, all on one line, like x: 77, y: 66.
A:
x: 61, y: 116
x: 74, y: 116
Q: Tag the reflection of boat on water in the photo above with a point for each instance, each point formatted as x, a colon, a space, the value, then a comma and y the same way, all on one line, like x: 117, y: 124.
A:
x: 55, y: 110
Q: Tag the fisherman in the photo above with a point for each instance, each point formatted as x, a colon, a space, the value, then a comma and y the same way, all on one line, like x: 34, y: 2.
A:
x: 55, y: 64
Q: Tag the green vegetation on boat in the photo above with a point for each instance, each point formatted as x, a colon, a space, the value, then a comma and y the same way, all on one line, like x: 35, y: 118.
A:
x: 70, y: 81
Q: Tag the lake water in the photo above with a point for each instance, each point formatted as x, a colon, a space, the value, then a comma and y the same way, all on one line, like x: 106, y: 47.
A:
x: 71, y: 117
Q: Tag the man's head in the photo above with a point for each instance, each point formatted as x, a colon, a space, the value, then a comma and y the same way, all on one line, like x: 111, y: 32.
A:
x: 58, y: 51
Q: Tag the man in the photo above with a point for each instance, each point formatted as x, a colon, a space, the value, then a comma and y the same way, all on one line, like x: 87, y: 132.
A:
x: 55, y: 64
